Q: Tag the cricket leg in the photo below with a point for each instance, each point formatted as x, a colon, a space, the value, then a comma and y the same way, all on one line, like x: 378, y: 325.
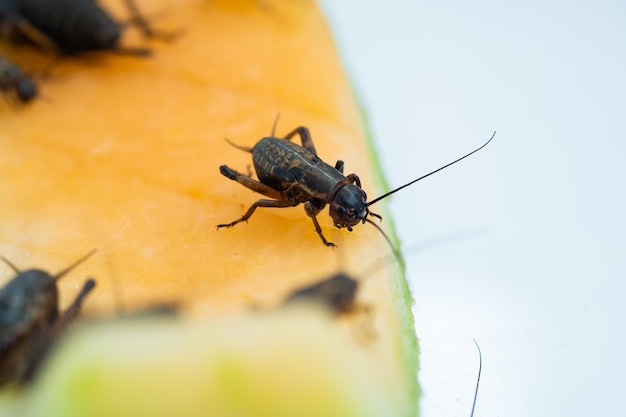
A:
x: 250, y: 183
x: 305, y: 137
x: 353, y: 178
x: 40, y: 342
x: 74, y: 310
x: 139, y: 20
x: 260, y: 203
x: 311, y: 211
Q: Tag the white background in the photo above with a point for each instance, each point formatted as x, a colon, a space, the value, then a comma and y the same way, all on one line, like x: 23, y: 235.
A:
x: 523, y: 244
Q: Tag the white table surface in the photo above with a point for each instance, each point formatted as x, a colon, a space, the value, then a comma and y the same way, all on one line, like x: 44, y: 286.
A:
x: 523, y: 244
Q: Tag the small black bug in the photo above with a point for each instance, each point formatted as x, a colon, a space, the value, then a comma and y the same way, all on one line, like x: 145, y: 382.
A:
x: 71, y: 26
x: 291, y: 174
x: 30, y: 319
x: 338, y: 296
x: 15, y: 83
x: 337, y: 293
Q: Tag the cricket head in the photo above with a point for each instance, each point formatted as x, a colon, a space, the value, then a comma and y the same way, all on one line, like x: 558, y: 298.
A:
x: 348, y: 206
x: 31, y: 299
x: 32, y: 294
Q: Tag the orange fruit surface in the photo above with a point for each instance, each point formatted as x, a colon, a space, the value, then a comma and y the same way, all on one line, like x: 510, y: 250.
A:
x: 122, y: 154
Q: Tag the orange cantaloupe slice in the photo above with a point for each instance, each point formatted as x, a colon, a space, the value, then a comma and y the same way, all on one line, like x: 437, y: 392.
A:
x: 122, y: 154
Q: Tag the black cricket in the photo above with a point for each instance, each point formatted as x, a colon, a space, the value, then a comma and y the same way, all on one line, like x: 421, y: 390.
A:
x: 291, y: 174
x: 30, y: 320
x: 337, y: 293
x: 71, y: 26
x: 15, y: 83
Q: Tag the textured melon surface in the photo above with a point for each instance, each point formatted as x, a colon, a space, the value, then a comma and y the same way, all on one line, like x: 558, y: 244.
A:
x: 122, y: 154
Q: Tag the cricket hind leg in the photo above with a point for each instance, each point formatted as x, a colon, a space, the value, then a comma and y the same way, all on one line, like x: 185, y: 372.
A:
x: 250, y: 183
x: 19, y: 30
x: 74, y: 310
x: 44, y: 340
x: 279, y: 200
x: 139, y: 20
x: 305, y: 138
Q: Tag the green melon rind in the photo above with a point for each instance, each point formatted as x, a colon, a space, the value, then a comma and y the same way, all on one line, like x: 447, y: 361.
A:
x: 408, y: 346
x: 401, y: 293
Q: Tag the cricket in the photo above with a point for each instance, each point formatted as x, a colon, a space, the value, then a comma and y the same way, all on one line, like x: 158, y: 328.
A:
x: 291, y: 174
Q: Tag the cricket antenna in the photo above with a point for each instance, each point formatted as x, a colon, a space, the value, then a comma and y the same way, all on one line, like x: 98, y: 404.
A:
x: 275, y: 124
x: 429, y: 174
x: 396, y: 252
x: 480, y: 368
x: 10, y: 264
x: 242, y: 148
x: 74, y: 265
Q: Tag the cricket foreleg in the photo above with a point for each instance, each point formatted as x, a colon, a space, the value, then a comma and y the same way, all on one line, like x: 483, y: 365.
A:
x: 311, y: 211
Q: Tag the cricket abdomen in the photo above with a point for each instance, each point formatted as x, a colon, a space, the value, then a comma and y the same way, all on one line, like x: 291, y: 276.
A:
x: 280, y: 163
x: 73, y: 25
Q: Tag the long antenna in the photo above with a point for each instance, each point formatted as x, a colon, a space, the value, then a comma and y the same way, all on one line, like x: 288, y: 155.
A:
x: 275, y: 124
x: 74, y: 265
x: 10, y: 264
x: 396, y: 252
x: 429, y: 174
x: 480, y: 368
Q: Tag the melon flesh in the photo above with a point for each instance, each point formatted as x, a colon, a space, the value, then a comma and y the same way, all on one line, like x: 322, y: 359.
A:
x: 124, y: 157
